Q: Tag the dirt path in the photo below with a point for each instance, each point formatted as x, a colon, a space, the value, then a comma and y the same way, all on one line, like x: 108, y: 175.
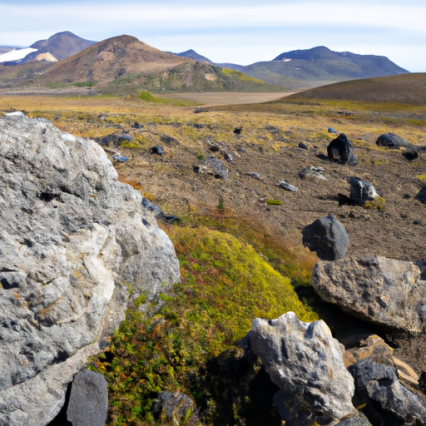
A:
x: 227, y: 98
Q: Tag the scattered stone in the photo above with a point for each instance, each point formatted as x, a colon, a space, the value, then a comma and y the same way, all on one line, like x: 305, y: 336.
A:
x: 312, y: 172
x: 362, y: 191
x: 174, y: 407
x: 303, y: 145
x: 220, y: 171
x: 228, y: 157
x: 331, y: 130
x: 341, y: 151
x: 119, y: 157
x: 285, y: 185
x: 384, y: 399
x: 387, y: 292
x: 255, y: 175
x: 57, y: 117
x: 306, y: 363
x: 159, y: 150
x: 421, y: 196
x: 67, y: 246
x: 137, y: 125
x: 157, y: 212
x: 393, y: 141
x: 169, y: 140
x: 410, y: 154
x: 196, y: 125
x: 242, y: 149
x: 88, y: 403
x: 326, y: 237
x: 214, y: 148
x: 238, y: 130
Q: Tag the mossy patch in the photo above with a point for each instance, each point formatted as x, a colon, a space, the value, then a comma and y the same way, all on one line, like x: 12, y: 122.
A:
x: 225, y: 285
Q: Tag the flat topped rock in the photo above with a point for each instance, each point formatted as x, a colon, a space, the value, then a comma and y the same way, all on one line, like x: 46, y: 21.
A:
x: 71, y: 235
x: 387, y: 292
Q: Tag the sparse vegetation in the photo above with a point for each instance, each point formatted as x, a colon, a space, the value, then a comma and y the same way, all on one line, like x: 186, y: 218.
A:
x: 274, y: 202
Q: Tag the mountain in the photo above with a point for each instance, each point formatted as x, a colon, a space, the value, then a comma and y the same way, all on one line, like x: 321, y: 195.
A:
x: 318, y: 66
x: 404, y: 89
x: 54, y: 49
x: 15, y: 55
x: 125, y: 65
x: 5, y: 49
x: 192, y: 54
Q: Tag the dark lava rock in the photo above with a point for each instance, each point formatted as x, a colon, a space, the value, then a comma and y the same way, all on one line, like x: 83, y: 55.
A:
x: 159, y: 150
x: 303, y: 146
x: 214, y: 148
x: 362, y: 191
x: 88, y: 404
x: 238, y: 130
x: 137, y: 125
x: 158, y: 213
x: 196, y: 125
x: 169, y: 140
x: 410, y: 154
x: 173, y: 407
x: 221, y: 171
x: 326, y: 237
x: 341, y: 151
x: 421, y: 196
x: 387, y: 402
x: 392, y: 141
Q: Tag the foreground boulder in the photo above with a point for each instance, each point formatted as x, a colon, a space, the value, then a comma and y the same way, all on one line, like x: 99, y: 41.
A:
x: 341, y: 151
x: 326, y: 237
x: 306, y: 363
x: 388, y: 292
x: 72, y: 238
x: 88, y: 403
x: 384, y: 399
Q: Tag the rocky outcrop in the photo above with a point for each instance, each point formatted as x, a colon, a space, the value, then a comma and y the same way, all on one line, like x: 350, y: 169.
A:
x: 72, y: 238
x: 306, y: 363
x: 341, y: 151
x: 388, y: 292
x: 384, y: 399
x: 326, y: 237
x: 88, y: 404
x: 312, y: 172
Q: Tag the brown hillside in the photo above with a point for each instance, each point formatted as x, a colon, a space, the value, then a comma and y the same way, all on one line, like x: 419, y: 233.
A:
x: 405, y: 88
x: 110, y: 59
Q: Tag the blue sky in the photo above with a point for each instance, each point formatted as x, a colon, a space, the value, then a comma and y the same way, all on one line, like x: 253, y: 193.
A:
x: 239, y: 31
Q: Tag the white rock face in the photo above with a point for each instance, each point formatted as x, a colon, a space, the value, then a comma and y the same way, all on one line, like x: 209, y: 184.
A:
x: 306, y: 363
x: 72, y: 238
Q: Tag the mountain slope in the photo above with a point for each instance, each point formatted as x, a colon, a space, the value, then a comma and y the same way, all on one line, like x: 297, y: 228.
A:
x: 317, y: 66
x: 5, y: 49
x: 110, y: 59
x: 192, y: 54
x: 405, y: 89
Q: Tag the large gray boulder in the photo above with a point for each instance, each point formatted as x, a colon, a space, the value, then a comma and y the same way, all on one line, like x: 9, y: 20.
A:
x: 387, y: 292
x: 340, y: 150
x: 306, y: 363
x: 72, y: 239
x: 362, y: 191
x: 393, y: 141
x: 326, y: 237
x: 88, y: 403
x: 384, y: 399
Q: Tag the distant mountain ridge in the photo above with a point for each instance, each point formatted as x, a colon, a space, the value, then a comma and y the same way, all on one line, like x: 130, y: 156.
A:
x: 192, y: 54
x: 318, y: 66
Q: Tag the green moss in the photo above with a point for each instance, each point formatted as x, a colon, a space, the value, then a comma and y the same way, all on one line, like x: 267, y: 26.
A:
x: 421, y: 178
x: 274, y: 202
x: 144, y: 95
x: 225, y: 285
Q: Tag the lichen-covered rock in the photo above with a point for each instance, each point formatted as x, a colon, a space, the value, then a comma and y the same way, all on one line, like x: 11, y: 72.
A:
x: 305, y: 362
x: 72, y: 238
x: 385, y: 291
x: 384, y: 399
x: 326, y: 237
x: 88, y: 403
x: 175, y: 407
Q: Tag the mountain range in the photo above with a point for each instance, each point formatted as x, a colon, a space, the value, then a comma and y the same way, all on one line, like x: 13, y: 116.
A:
x: 124, y: 64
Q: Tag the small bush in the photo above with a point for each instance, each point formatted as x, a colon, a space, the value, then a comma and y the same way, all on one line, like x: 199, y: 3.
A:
x: 221, y: 205
x: 274, y: 203
x: 201, y: 157
x: 377, y: 204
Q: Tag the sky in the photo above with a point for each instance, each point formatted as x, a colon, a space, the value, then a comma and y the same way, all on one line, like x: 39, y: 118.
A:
x: 237, y: 31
